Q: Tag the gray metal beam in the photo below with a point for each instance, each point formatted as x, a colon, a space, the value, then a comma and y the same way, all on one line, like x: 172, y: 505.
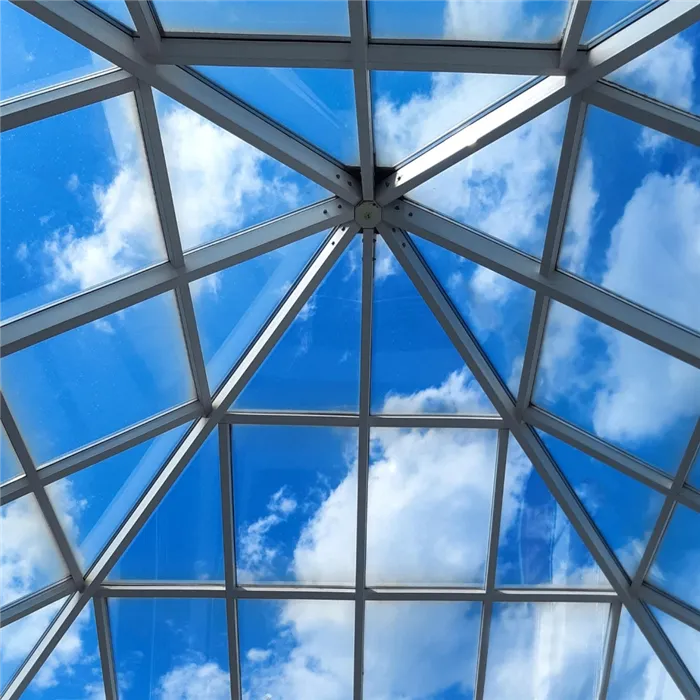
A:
x: 681, y: 611
x: 610, y: 641
x: 104, y: 642
x: 353, y: 420
x: 29, y: 604
x: 284, y: 418
x: 98, y: 35
x: 147, y: 26
x: 575, y: 23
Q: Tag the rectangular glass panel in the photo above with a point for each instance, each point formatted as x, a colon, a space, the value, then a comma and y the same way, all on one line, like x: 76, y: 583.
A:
x: 607, y: 14
x: 429, y: 512
x: 295, y: 504
x: 116, y: 9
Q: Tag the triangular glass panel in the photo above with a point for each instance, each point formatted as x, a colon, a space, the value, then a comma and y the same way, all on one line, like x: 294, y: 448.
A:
x: 315, y: 366
x: 232, y: 305
x: 96, y: 219
x: 9, y: 464
x: 675, y: 566
x: 35, y: 56
x: 505, y: 189
x: 317, y: 104
x: 496, y: 309
x: 606, y: 15
x: 412, y: 109
x: 415, y: 367
x: 631, y: 221
x: 623, y: 509
x: 538, y: 545
x: 220, y: 183
x: 73, y: 668
x: 547, y: 651
x: 94, y: 380
x: 18, y: 639
x: 624, y: 391
x: 637, y: 672
x: 115, y: 9
x: 182, y: 540
x: 684, y: 638
x: 92, y: 503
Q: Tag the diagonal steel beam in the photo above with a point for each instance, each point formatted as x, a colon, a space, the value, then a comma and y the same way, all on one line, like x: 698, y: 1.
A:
x: 29, y: 604
x: 681, y: 611
x: 147, y: 26
x: 578, y: 13
x: 98, y: 35
x: 610, y: 642
x: 627, y: 44
x: 104, y: 642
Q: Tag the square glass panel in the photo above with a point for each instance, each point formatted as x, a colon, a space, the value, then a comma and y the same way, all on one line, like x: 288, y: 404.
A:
x: 295, y: 504
x: 546, y: 651
x: 685, y: 640
x: 311, y: 17
x: 632, y: 222
x: 96, y: 217
x: 170, y: 648
x: 9, y: 464
x: 115, y: 9
x: 616, y: 387
x: 429, y: 508
x: 29, y: 558
x: 296, y: 648
x: 94, y: 380
x: 421, y: 650
x: 612, y: 15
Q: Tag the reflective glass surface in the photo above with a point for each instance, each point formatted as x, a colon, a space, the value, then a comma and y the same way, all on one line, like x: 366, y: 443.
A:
x: 684, y: 638
x: 538, y: 545
x: 415, y: 367
x: 505, y: 189
x: 318, y: 17
x: 29, y: 558
x: 296, y: 648
x: 317, y: 104
x: 182, y: 539
x: 295, y: 493
x: 421, y: 650
x: 631, y: 226
x: 95, y: 219
x: 35, y: 56
x: 429, y: 508
x: 170, y: 648
x: 232, y: 305
x: 411, y: 109
x: 485, y: 20
x: 694, y: 478
x: 96, y: 379
x: 220, y: 183
x: 605, y: 14
x: 616, y: 387
x: 545, y: 651
x: 116, y: 9
x: 315, y: 366
x: 9, y: 464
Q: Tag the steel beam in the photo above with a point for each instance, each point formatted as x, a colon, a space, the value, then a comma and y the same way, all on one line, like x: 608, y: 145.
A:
x: 610, y: 641
x: 29, y: 604
x: 681, y: 611
x: 147, y: 26
x: 104, y: 642
x: 578, y: 12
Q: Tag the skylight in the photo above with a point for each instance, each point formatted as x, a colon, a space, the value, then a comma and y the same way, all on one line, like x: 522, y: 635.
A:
x: 350, y: 349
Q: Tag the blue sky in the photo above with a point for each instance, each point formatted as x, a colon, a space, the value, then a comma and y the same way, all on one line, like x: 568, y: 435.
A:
x: 631, y: 229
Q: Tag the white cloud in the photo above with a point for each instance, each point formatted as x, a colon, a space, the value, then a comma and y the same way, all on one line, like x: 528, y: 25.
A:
x: 73, y: 183
x: 258, y: 655
x: 195, y: 681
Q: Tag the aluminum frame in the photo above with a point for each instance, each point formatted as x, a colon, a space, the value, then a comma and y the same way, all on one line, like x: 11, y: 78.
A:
x: 151, y: 60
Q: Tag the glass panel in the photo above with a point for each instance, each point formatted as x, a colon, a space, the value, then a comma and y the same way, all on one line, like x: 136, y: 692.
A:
x: 29, y: 558
x: 170, y: 648
x: 411, y: 109
x: 314, y: 17
x: 684, y: 638
x: 18, y: 638
x: 182, y: 539
x: 545, y: 651
x: 316, y: 364
x: 93, y: 502
x: 295, y: 504
x: 116, y: 9
x: 631, y: 226
x: 94, y: 380
x: 637, y: 671
x: 694, y: 479
x: 232, y: 305
x: 677, y: 564
x: 605, y: 14
x: 220, y: 183
x: 9, y: 464
x: 482, y: 20
x: 667, y: 72
x: 317, y: 104
x: 95, y: 219
x: 624, y: 510
x: 429, y: 512
x: 296, y: 648
x: 538, y: 545
x: 421, y: 650
x: 616, y: 387
x: 73, y: 668
x: 496, y: 309
x: 505, y: 189
x: 35, y: 56
x: 415, y: 367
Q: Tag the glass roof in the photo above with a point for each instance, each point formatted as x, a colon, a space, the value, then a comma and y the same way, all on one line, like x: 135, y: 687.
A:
x: 349, y: 349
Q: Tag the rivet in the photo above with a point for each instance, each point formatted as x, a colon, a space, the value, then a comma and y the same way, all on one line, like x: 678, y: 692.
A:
x: 325, y: 211
x: 410, y: 213
x: 337, y: 176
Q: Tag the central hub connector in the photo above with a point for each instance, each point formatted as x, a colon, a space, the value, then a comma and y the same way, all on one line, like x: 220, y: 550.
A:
x: 368, y: 214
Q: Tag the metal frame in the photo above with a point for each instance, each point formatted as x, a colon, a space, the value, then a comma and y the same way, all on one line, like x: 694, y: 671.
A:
x: 151, y: 60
